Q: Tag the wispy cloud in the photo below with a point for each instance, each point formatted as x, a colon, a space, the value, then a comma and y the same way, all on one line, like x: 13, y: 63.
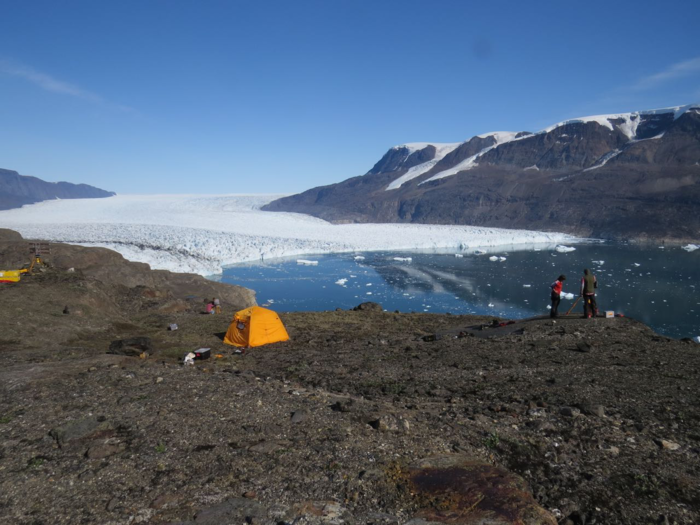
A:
x: 49, y: 83
x: 674, y: 71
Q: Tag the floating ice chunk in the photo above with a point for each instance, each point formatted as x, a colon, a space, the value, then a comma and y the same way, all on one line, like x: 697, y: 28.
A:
x: 527, y: 286
x: 459, y: 255
x: 493, y: 258
x: 270, y: 301
x: 403, y: 259
x: 491, y: 305
x: 599, y: 263
x: 696, y: 338
x: 662, y: 247
x: 307, y: 262
x: 368, y: 293
x: 564, y: 249
x: 368, y: 284
x: 501, y: 258
x: 341, y: 282
x: 691, y: 247
x: 359, y: 258
x: 479, y: 252
x: 637, y: 264
x: 567, y: 295
x: 549, y: 307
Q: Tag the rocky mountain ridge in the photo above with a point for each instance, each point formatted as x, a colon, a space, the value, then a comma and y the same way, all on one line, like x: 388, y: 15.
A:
x: 629, y: 175
x: 17, y: 190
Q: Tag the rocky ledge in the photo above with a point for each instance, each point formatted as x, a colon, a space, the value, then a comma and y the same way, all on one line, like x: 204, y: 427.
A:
x: 364, y: 416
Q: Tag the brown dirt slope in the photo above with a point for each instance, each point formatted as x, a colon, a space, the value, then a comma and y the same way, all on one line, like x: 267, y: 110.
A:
x: 362, y: 417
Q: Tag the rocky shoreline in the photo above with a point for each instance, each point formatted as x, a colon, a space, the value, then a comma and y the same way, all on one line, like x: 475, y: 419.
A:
x: 362, y: 417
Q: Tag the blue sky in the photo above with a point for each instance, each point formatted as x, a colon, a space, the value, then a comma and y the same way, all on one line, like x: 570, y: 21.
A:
x: 169, y: 96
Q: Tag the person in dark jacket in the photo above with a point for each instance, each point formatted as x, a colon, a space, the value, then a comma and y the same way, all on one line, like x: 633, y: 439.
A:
x: 588, y: 286
x: 556, y: 296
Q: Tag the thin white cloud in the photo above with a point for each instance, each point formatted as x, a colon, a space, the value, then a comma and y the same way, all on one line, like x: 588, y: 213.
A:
x: 677, y: 70
x: 49, y: 83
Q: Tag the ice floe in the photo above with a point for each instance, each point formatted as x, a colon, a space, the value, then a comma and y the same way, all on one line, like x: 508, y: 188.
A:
x: 564, y: 249
x: 341, y: 282
x: 691, y: 247
x: 307, y: 262
x: 567, y: 295
x: 403, y: 259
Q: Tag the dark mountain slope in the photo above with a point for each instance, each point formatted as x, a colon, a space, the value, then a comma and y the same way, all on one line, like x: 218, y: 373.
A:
x: 17, y: 190
x: 634, y: 175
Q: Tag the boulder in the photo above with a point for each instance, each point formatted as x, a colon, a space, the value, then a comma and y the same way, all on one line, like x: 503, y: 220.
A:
x: 81, y: 429
x: 369, y: 307
x: 460, y: 490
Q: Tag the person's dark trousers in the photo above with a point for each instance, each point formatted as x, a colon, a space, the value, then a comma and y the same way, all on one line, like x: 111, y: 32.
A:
x: 590, y: 308
x: 556, y: 299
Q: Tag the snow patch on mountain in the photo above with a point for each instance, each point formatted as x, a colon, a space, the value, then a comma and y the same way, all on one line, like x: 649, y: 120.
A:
x: 201, y: 234
x: 501, y: 137
x: 630, y: 121
x: 441, y: 150
x: 412, y: 147
x: 604, y: 159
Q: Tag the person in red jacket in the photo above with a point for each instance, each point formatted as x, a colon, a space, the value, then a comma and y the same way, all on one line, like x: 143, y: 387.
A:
x: 588, y: 286
x: 556, y: 296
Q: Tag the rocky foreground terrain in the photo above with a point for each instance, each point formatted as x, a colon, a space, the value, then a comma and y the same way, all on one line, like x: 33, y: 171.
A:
x: 363, y: 416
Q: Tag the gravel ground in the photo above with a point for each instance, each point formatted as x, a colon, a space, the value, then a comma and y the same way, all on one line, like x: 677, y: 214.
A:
x: 362, y: 417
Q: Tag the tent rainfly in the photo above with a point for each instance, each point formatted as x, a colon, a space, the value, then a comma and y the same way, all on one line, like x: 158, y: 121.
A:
x: 255, y: 326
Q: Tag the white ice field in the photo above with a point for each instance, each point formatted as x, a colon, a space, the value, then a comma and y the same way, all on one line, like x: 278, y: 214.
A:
x: 201, y: 234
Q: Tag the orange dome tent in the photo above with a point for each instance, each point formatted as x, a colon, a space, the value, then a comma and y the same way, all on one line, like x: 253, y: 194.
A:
x: 255, y: 326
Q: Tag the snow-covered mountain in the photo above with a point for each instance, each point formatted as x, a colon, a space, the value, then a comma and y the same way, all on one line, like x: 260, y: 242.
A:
x: 637, y: 163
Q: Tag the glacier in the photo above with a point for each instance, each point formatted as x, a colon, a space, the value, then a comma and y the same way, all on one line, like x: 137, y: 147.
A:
x: 203, y: 233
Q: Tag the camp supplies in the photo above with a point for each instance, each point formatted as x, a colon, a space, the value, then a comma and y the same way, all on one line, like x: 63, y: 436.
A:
x: 202, y: 353
x: 9, y: 276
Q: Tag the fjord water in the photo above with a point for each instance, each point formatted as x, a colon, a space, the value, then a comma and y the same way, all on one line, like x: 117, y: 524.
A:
x: 658, y: 286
